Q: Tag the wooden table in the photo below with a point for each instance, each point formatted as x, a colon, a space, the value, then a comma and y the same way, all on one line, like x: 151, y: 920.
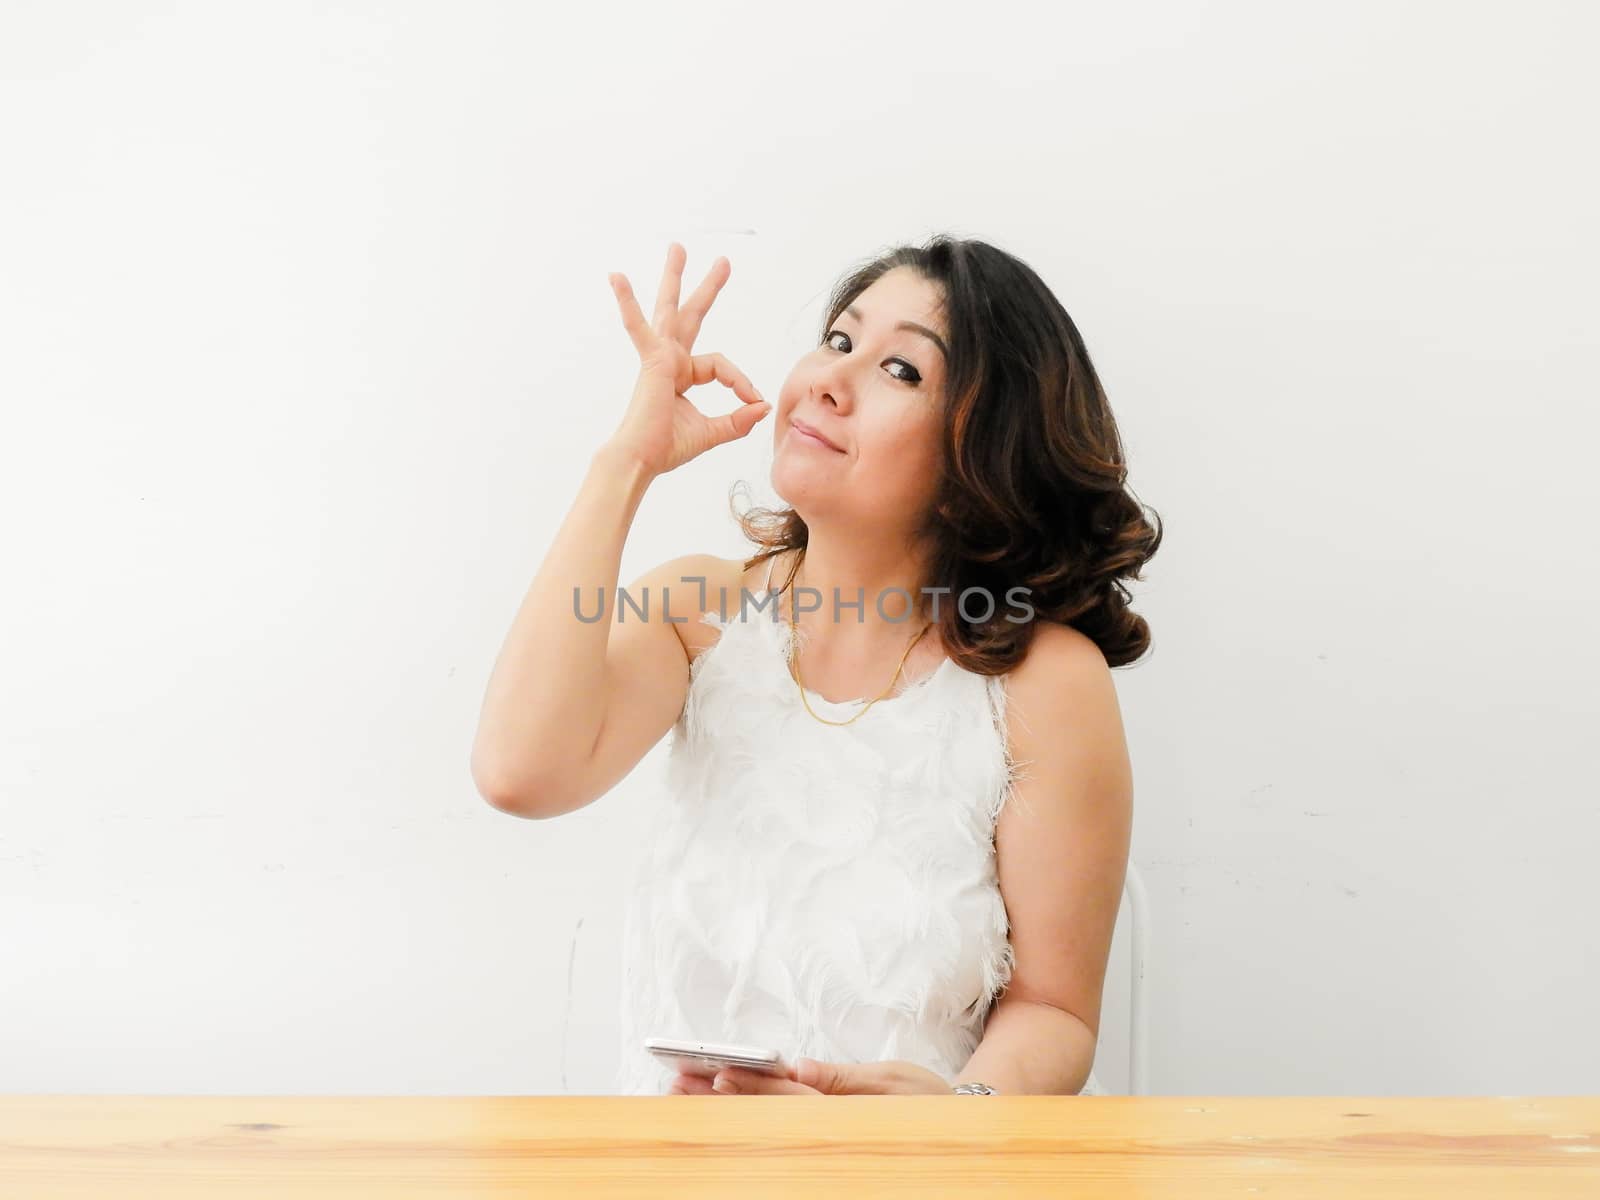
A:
x: 840, y: 1147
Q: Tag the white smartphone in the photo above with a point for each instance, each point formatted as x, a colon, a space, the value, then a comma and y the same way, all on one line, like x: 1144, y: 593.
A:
x: 705, y: 1059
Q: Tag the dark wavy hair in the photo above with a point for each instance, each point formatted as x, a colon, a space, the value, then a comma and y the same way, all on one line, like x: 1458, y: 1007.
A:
x: 1033, y: 492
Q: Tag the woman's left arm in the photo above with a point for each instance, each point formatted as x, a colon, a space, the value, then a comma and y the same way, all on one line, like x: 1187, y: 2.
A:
x: 1031, y: 1048
x: 1061, y: 853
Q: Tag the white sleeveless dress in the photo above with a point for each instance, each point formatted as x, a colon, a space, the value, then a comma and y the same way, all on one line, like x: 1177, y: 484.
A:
x: 825, y: 891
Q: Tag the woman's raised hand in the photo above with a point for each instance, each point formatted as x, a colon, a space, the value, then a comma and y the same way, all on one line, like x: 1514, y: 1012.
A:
x: 661, y: 428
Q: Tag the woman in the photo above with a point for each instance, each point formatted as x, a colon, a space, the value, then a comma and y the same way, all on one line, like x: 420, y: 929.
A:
x: 912, y: 889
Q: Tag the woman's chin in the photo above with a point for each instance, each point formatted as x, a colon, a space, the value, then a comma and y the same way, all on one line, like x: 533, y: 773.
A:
x: 793, y: 479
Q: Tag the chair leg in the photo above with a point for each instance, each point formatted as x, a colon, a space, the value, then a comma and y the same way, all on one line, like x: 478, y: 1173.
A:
x: 1138, y: 1039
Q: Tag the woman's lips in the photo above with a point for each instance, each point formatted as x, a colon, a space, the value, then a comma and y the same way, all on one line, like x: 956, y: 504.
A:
x: 805, y: 435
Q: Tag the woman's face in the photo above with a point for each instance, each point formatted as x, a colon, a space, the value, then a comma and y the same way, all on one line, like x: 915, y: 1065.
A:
x: 875, y: 391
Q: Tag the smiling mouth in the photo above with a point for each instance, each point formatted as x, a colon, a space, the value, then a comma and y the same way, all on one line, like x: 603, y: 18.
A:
x: 806, y: 435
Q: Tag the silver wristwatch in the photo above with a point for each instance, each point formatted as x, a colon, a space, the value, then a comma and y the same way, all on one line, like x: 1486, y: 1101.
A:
x: 974, y: 1089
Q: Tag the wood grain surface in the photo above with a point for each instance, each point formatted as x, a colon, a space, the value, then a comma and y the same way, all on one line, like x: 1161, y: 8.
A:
x: 843, y: 1147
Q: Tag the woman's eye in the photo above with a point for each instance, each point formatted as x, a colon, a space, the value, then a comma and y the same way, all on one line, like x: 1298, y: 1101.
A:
x: 911, y: 376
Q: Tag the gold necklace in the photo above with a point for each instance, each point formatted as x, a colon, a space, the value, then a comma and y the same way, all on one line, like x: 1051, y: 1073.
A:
x: 795, y: 663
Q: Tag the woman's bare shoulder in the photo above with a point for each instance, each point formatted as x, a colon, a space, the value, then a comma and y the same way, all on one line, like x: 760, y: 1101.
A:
x: 1061, y: 665
x: 1057, y: 650
x: 725, y: 582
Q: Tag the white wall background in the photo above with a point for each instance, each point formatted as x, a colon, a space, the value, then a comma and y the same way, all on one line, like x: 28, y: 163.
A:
x: 307, y: 340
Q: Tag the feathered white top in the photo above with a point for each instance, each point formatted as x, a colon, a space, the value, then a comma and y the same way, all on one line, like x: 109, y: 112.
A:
x: 828, y: 891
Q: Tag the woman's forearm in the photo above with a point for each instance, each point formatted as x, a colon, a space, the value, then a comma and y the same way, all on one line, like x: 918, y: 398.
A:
x: 1030, y: 1048
x: 546, y: 697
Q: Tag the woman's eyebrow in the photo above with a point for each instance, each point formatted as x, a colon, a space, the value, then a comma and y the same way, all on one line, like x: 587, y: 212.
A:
x: 851, y: 310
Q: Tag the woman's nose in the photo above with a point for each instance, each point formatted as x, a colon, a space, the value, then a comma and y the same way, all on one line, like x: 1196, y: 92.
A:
x: 832, y: 391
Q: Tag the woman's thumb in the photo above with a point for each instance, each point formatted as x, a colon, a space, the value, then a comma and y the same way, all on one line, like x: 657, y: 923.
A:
x: 743, y: 419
